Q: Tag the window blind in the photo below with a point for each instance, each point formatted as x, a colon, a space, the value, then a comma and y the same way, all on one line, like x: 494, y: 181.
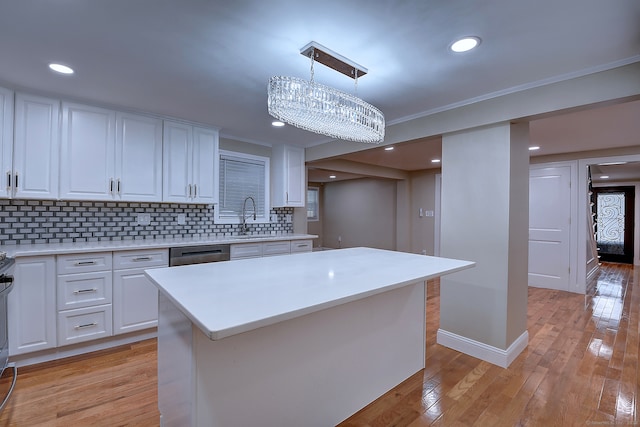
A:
x: 239, y: 179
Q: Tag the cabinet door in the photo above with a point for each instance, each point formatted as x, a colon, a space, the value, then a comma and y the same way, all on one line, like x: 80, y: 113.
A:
x: 135, y: 301
x: 288, y: 185
x: 138, y: 158
x: 6, y: 142
x: 204, y: 165
x: 36, y: 148
x: 32, y: 305
x: 176, y: 162
x: 295, y: 177
x: 87, y: 153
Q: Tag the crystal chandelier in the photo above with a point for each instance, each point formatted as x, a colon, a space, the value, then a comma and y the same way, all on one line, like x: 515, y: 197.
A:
x: 322, y: 109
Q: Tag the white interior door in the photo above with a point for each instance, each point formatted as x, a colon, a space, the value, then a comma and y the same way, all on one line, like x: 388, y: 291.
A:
x: 549, y: 227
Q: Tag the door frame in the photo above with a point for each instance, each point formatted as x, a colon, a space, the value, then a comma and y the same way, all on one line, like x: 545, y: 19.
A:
x: 629, y: 192
x: 582, y: 201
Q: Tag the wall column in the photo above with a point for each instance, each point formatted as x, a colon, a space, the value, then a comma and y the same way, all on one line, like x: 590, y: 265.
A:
x: 485, y: 218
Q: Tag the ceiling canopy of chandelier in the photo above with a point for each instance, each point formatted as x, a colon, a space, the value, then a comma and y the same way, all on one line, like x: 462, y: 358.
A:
x: 322, y: 109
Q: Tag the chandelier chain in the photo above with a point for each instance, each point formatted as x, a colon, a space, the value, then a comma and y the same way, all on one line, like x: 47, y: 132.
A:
x: 313, y: 54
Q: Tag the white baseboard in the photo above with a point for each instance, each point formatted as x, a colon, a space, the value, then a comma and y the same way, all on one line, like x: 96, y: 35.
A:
x: 81, y: 348
x: 488, y: 353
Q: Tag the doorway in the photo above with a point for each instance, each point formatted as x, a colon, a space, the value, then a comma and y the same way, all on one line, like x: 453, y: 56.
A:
x: 615, y: 223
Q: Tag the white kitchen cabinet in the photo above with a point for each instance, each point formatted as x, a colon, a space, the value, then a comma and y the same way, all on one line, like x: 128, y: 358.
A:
x: 279, y: 247
x: 32, y: 305
x: 135, y: 297
x: 301, y: 246
x: 87, y: 162
x: 189, y: 164
x: 84, y: 290
x: 288, y: 181
x: 108, y: 155
x: 36, y: 147
x: 6, y: 142
x: 138, y: 164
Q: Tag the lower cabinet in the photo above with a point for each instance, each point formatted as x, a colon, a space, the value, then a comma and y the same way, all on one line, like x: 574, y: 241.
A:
x: 84, y: 297
x: 277, y: 247
x: 31, y: 305
x: 135, y: 298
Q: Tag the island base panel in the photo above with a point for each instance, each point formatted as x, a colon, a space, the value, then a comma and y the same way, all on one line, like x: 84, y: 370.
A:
x: 314, y: 370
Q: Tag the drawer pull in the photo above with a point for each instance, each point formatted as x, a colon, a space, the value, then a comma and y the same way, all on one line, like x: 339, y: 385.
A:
x: 86, y: 325
x: 85, y: 291
x: 142, y: 258
x: 85, y: 263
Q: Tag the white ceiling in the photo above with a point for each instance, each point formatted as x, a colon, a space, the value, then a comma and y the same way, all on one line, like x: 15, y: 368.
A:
x: 209, y: 60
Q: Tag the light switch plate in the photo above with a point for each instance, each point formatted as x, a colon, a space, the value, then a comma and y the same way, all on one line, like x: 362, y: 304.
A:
x: 182, y: 219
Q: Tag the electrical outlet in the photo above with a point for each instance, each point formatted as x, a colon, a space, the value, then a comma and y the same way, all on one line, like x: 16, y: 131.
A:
x: 289, y: 219
x: 182, y: 219
x: 144, y: 219
x: 273, y: 218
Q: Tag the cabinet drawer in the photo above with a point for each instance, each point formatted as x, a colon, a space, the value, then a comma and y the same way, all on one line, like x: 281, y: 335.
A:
x: 84, y: 324
x: 84, y: 290
x: 246, y: 250
x: 141, y: 259
x: 276, y: 248
x: 301, y: 246
x: 84, y: 263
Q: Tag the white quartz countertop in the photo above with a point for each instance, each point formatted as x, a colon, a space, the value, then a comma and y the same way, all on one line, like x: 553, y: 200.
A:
x: 228, y: 298
x: 121, y: 245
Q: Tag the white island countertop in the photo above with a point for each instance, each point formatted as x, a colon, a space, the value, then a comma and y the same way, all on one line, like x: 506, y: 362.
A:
x: 228, y: 298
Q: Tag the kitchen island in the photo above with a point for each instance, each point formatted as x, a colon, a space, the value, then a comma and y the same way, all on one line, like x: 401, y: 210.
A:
x: 304, y: 339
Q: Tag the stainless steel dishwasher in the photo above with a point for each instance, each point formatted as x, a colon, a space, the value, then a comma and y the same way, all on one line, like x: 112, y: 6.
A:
x: 200, y: 254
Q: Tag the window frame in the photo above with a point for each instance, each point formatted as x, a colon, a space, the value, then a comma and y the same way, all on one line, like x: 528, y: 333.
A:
x: 264, y: 219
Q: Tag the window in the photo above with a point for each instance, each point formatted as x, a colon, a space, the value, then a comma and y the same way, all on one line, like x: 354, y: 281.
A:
x: 312, y: 204
x: 241, y: 176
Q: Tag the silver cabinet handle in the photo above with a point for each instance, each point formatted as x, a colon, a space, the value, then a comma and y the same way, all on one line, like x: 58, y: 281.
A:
x: 84, y: 291
x: 195, y: 190
x: 9, y: 179
x: 189, y: 190
x: 142, y: 258
x: 78, y: 263
x: 111, y: 185
x: 15, y: 181
x: 86, y: 325
x: 118, y: 186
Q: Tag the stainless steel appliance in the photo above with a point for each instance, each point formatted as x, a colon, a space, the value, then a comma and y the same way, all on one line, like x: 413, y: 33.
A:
x: 198, y: 254
x: 6, y: 285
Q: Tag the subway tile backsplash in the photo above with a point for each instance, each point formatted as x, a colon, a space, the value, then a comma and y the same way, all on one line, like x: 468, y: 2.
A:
x: 48, y: 221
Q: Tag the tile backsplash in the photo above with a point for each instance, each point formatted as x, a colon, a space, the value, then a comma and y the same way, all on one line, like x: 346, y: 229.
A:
x: 49, y: 221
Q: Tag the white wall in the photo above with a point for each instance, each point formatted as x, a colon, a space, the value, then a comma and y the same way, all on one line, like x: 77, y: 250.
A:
x: 362, y: 212
x: 423, y: 196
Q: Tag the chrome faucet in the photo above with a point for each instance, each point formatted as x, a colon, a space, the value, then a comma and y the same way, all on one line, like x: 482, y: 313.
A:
x: 243, y: 227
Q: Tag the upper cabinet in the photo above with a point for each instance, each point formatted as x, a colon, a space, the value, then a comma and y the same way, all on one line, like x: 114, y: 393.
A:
x: 36, y: 147
x: 110, y: 156
x: 138, y: 158
x: 6, y: 142
x: 87, y: 162
x: 288, y: 186
x: 189, y: 164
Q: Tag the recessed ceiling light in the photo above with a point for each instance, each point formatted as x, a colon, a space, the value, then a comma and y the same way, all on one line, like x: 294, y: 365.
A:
x: 62, y: 69
x: 465, y: 44
x: 332, y: 176
x: 604, y: 176
x: 388, y: 148
x: 277, y: 124
x: 435, y: 160
x: 534, y: 148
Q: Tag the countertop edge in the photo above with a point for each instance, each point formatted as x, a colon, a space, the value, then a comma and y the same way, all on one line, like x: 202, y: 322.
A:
x: 39, y: 249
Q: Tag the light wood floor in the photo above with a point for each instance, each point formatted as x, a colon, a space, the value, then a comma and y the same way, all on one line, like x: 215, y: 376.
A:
x: 580, y: 369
